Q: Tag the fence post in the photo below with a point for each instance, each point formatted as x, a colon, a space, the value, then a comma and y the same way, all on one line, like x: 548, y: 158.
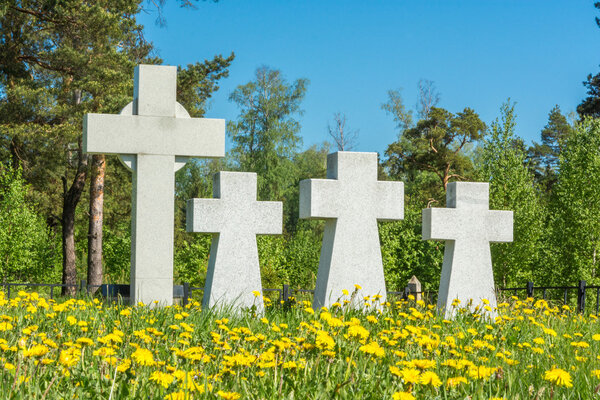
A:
x: 286, y: 293
x: 406, y: 293
x: 581, y: 296
x: 186, y: 293
x: 414, y: 286
x: 529, y: 289
x: 83, y: 286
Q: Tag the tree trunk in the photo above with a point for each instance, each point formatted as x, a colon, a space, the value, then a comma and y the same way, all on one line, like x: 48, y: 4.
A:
x: 94, y: 272
x: 70, y: 201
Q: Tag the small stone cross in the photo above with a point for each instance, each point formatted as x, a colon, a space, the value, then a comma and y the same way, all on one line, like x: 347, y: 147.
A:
x: 468, y: 226
x: 153, y: 135
x: 351, y: 201
x: 234, y: 217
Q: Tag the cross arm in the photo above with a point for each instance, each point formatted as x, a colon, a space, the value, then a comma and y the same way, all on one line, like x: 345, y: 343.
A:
x: 440, y: 224
x: 204, y: 215
x: 390, y: 201
x: 268, y: 217
x: 500, y: 226
x: 319, y: 198
x: 127, y: 134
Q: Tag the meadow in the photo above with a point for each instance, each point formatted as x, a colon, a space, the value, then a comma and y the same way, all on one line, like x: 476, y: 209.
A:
x: 87, y: 349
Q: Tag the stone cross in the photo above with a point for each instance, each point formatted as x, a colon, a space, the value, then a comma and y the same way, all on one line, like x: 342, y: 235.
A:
x: 351, y: 201
x: 468, y: 226
x: 234, y: 217
x: 153, y: 135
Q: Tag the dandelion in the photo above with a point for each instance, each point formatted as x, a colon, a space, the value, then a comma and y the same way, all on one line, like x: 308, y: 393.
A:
x: 36, y: 351
x: 373, y: 348
x: 228, y: 395
x: 430, y: 378
x: 162, y: 379
x: 559, y: 377
x: 456, y: 381
x: 403, y: 396
x: 143, y: 357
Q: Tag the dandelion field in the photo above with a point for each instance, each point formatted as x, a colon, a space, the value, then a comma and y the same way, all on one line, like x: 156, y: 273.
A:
x: 86, y: 349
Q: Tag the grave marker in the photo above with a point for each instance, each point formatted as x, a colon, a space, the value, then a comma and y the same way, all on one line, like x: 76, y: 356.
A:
x: 234, y: 217
x: 154, y: 135
x: 351, y: 201
x: 468, y: 226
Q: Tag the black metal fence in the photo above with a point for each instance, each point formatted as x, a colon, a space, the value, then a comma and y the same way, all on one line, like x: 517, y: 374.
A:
x: 286, y: 292
x: 581, y: 291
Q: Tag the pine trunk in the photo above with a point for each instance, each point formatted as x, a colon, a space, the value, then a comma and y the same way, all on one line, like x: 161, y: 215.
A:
x: 94, y: 272
x: 70, y: 201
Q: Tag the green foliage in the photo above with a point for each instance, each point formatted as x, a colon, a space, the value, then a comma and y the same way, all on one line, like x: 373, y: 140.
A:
x: 512, y: 187
x: 265, y: 135
x: 191, y: 260
x: 543, y: 158
x: 291, y: 259
x: 29, y: 252
x: 436, y: 145
x: 197, y: 82
x: 575, y: 208
x: 116, y: 252
x: 405, y: 253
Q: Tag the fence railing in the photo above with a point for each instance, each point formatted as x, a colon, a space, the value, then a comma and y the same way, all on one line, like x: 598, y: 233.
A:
x: 581, y: 292
x: 286, y: 292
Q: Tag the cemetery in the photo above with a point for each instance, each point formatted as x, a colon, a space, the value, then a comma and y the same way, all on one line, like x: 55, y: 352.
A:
x: 152, y: 247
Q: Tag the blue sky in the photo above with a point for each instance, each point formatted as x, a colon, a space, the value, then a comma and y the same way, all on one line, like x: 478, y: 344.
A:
x: 478, y: 53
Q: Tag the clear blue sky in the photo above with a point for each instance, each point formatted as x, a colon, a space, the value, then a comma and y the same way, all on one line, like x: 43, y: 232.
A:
x: 478, y: 53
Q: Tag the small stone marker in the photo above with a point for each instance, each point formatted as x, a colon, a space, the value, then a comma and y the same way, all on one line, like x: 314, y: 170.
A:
x: 351, y: 201
x: 468, y: 226
x: 153, y: 134
x: 234, y: 217
x: 414, y: 287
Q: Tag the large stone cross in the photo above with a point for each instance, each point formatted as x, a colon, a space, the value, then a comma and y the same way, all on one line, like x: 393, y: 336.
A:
x: 234, y: 217
x: 351, y: 201
x: 468, y: 226
x: 153, y: 135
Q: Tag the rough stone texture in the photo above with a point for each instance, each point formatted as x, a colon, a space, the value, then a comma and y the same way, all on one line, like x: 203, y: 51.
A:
x: 234, y: 217
x: 468, y: 226
x: 351, y: 201
x: 153, y: 135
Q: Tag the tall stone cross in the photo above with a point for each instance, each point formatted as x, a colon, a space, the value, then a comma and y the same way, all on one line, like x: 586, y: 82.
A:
x: 234, y: 217
x: 468, y: 226
x: 351, y: 201
x: 154, y: 135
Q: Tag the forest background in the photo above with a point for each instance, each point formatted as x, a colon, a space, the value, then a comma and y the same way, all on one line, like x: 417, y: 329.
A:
x: 65, y: 215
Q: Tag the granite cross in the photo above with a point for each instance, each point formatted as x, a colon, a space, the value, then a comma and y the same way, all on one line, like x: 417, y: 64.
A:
x: 153, y: 135
x: 234, y: 217
x: 468, y: 226
x: 351, y: 201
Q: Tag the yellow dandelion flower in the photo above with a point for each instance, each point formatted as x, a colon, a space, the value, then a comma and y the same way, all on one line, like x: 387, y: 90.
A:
x: 430, y: 378
x: 559, y: 377
x: 36, y: 351
x: 403, y: 396
x: 373, y: 348
x: 162, y: 379
x: 456, y: 381
x: 410, y: 375
x: 143, y: 357
x: 228, y: 395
